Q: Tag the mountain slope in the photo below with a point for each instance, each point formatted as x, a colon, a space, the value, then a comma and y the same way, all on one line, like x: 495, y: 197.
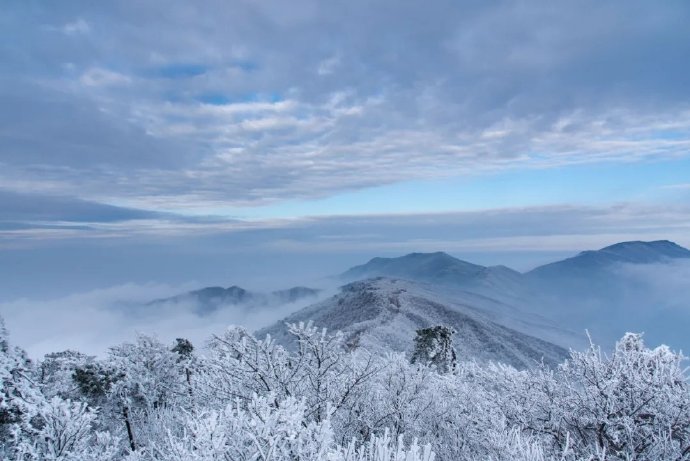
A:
x: 383, y: 314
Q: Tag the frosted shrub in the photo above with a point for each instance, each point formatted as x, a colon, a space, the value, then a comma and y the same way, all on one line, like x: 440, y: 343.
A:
x: 250, y: 399
x: 261, y: 431
x: 384, y: 448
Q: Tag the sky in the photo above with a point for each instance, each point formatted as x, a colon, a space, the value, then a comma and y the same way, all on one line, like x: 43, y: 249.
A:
x: 268, y: 143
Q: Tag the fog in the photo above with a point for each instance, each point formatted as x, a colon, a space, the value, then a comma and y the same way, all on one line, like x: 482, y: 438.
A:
x: 653, y: 299
x: 649, y: 298
x: 656, y: 301
x: 92, y: 321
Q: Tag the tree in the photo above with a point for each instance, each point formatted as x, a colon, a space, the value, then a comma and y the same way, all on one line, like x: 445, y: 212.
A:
x: 633, y: 404
x: 20, y: 398
x: 185, y: 351
x: 56, y: 373
x: 329, y: 375
x: 239, y: 366
x: 147, y: 380
x: 434, y: 346
x: 67, y: 432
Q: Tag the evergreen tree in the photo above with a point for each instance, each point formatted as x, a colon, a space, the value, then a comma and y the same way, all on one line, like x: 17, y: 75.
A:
x: 434, y: 346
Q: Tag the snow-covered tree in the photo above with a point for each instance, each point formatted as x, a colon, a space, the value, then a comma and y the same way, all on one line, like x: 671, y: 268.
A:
x: 56, y: 373
x: 329, y: 376
x: 631, y: 405
x: 66, y: 432
x: 147, y: 378
x: 239, y: 366
x: 20, y: 398
x: 251, y: 399
x: 434, y: 346
x: 385, y: 448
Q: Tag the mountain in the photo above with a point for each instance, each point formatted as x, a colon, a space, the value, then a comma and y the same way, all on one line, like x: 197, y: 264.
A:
x: 588, y: 262
x: 603, y: 274
x: 383, y: 314
x: 294, y: 294
x: 437, y: 267
x: 442, y: 269
x: 210, y: 299
x: 629, y: 286
x: 490, y: 288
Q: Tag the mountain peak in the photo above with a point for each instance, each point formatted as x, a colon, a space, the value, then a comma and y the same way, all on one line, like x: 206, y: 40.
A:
x: 209, y: 299
x: 437, y: 266
x: 646, y: 252
x: 632, y: 252
x: 659, y: 246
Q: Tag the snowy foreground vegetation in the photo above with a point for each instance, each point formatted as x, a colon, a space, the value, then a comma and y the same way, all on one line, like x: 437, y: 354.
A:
x: 245, y: 399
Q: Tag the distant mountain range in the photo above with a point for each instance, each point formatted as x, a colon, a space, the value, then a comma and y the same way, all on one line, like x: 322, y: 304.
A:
x: 587, y: 262
x: 499, y: 314
x: 606, y: 291
x: 441, y: 267
x: 210, y: 299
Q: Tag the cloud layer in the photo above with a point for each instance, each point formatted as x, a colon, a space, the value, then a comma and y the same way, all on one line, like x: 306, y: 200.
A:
x: 93, y: 321
x: 184, y: 106
x: 263, y: 254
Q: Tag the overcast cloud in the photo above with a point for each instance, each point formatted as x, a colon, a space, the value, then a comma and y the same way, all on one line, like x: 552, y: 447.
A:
x: 179, y: 106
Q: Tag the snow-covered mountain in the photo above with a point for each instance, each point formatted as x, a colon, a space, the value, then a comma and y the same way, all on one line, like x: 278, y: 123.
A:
x: 629, y: 286
x: 383, y: 314
x: 210, y: 299
x: 500, y: 293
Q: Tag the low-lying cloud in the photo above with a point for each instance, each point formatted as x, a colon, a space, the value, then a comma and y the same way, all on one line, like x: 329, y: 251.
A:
x: 91, y: 322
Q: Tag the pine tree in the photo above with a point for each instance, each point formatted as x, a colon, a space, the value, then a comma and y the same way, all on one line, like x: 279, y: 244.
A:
x: 434, y: 346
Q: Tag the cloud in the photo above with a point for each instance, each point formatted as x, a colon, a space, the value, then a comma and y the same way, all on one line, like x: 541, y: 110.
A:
x: 647, y: 298
x: 93, y: 321
x: 313, y: 98
x: 103, y: 77
x: 259, y: 253
x: 682, y: 187
x: 19, y: 207
x: 78, y: 27
x: 663, y: 285
x: 556, y: 227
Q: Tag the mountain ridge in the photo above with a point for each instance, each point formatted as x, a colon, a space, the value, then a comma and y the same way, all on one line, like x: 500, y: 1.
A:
x: 631, y: 252
x: 209, y: 299
x: 607, y: 291
x: 384, y: 314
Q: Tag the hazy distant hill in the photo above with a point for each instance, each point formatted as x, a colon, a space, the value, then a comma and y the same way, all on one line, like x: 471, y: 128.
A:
x: 587, y: 263
x: 440, y: 268
x: 629, y: 286
x: 437, y: 267
x: 209, y: 299
x: 383, y: 314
